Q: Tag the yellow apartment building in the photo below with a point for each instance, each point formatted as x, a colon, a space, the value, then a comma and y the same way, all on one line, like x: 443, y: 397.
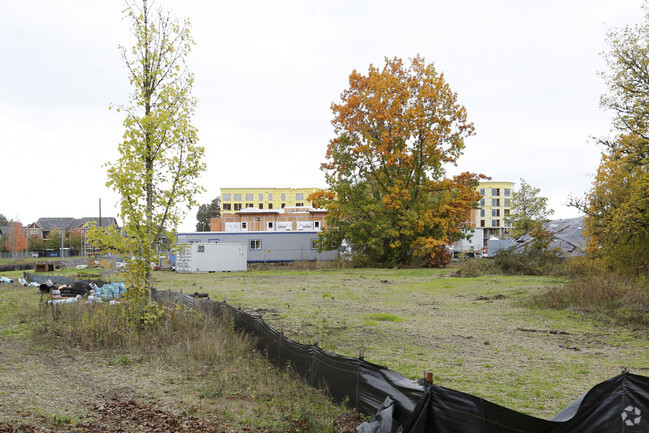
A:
x: 494, y: 208
x: 235, y: 199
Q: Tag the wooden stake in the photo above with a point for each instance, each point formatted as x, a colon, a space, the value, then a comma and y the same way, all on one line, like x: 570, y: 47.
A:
x: 316, y: 341
x: 429, y: 377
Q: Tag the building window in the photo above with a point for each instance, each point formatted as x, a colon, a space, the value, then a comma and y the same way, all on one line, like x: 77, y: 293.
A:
x: 283, y: 205
x: 495, y: 212
x: 316, y: 224
x: 299, y: 204
x: 237, y: 206
x: 261, y: 197
x: 495, y: 223
x: 508, y: 202
x: 227, y: 197
x: 482, y: 202
x: 482, y: 192
x: 249, y: 197
x: 201, y: 249
x: 314, y: 244
x: 237, y: 197
x: 506, y: 212
x: 255, y: 244
x: 270, y: 197
x: 261, y: 205
x: 495, y: 191
x: 507, y: 192
x: 482, y: 212
x: 227, y: 206
x: 249, y: 205
x: 481, y: 223
x: 495, y: 202
x: 270, y: 205
x: 283, y: 196
x: 270, y: 225
x: 299, y: 196
x: 244, y: 225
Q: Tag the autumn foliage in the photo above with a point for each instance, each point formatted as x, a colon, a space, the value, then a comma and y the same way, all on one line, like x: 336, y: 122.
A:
x: 16, y: 242
x: 388, y: 198
x: 617, y: 206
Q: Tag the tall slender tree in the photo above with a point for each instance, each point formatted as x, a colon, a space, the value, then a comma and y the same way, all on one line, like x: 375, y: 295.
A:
x: 160, y: 159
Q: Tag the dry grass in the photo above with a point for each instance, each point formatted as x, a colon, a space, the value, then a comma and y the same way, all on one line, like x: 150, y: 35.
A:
x: 477, y: 335
x: 76, y: 356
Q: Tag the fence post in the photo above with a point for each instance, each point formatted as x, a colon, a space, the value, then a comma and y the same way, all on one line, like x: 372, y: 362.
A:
x: 429, y: 376
x: 361, y: 354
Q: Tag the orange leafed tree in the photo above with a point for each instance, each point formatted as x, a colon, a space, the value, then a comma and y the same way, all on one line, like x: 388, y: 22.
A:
x: 388, y: 197
x: 16, y: 241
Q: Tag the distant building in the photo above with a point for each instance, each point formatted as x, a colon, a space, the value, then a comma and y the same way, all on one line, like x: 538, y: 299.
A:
x: 270, y: 235
x: 494, y: 208
x: 271, y: 220
x: 44, y: 226
x: 236, y: 199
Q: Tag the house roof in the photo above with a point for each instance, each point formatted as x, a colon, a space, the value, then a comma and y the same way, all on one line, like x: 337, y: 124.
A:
x: 105, y: 222
x: 54, y: 223
x: 48, y: 224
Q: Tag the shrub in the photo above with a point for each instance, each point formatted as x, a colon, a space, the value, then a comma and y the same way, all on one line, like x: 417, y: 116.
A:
x: 530, y: 261
x: 475, y: 267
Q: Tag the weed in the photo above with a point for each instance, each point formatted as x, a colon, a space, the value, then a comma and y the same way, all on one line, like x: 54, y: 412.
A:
x: 385, y: 317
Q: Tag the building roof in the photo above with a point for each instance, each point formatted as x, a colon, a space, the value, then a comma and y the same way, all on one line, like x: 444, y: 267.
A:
x: 105, y: 222
x: 54, y: 223
x: 48, y: 224
x: 567, y: 235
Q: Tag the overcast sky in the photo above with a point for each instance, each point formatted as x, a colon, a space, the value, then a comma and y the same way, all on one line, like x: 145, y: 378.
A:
x: 266, y: 75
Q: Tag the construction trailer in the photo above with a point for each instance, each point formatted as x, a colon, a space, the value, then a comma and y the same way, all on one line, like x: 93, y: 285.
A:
x: 473, y: 244
x: 267, y: 247
x: 212, y: 257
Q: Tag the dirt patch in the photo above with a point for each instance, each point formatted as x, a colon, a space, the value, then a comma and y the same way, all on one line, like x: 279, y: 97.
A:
x: 347, y: 422
x: 545, y: 331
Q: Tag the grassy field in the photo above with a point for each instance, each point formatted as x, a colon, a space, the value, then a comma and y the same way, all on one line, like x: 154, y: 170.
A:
x: 481, y: 335
x: 477, y: 335
x: 50, y: 378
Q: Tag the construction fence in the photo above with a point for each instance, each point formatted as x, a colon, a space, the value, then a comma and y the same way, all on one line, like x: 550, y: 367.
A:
x: 620, y: 404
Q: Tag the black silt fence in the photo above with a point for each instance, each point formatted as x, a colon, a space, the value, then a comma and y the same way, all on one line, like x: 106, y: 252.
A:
x: 618, y: 405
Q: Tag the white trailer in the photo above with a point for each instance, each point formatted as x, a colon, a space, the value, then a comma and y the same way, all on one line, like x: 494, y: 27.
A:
x: 472, y: 245
x: 212, y: 257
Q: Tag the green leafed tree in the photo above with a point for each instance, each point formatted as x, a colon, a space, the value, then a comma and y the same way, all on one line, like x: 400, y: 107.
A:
x: 206, y: 212
x: 529, y: 210
x: 388, y: 195
x: 3, y: 220
x: 160, y: 160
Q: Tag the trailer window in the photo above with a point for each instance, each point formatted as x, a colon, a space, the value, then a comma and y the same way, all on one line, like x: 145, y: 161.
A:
x: 201, y: 248
x: 255, y: 244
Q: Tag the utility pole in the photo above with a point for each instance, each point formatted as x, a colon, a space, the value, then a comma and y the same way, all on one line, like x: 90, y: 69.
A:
x: 62, y: 238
